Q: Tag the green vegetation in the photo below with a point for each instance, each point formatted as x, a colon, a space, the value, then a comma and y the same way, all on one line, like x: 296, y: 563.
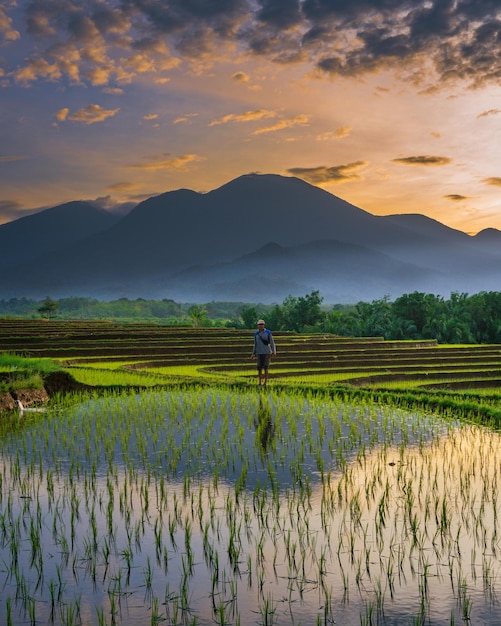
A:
x: 165, y: 311
x: 106, y: 377
x: 18, y: 372
x: 459, y: 319
x: 48, y: 308
x: 356, y: 488
x: 464, y: 380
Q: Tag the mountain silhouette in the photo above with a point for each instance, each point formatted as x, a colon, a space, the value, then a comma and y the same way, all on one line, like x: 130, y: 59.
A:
x: 489, y: 240
x: 340, y: 271
x: 257, y: 238
x: 41, y: 233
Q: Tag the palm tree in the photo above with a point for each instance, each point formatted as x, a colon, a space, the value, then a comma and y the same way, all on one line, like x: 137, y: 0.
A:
x: 197, y: 314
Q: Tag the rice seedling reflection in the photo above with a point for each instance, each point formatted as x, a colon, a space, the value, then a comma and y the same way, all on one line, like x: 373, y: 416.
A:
x: 252, y: 508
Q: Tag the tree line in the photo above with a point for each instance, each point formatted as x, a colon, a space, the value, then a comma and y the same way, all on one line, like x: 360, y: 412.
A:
x: 166, y: 311
x: 458, y: 319
x: 461, y: 318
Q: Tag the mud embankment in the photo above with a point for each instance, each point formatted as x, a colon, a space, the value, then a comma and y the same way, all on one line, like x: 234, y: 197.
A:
x: 54, y: 383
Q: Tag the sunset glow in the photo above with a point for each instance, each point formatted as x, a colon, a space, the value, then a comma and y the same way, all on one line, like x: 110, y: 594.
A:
x: 394, y: 107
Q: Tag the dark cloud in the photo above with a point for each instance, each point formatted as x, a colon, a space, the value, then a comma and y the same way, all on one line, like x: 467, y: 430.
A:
x: 456, y: 40
x: 323, y: 174
x: 108, y: 19
x: 424, y: 159
x: 456, y: 197
x: 495, y: 181
x: 82, y: 28
x: 240, y: 77
x: 489, y: 112
x: 454, y: 48
x: 429, y: 42
x: 280, y: 14
x: 220, y: 16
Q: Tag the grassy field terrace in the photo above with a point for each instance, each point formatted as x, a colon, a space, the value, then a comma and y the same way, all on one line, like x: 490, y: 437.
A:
x: 223, y: 355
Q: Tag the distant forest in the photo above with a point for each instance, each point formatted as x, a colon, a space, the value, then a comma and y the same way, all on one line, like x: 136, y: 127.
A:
x: 460, y: 319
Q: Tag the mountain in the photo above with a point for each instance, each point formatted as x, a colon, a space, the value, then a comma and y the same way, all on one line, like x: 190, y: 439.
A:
x: 256, y: 238
x: 340, y: 271
x: 489, y: 239
x: 433, y: 244
x: 36, y: 235
x: 428, y: 227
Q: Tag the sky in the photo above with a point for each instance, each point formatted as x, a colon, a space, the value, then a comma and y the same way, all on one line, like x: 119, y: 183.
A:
x: 392, y: 105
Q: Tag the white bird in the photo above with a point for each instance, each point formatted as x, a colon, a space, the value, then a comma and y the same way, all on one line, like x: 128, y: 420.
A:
x: 23, y: 408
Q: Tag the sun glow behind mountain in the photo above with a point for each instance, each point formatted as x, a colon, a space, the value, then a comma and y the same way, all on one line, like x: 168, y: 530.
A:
x: 123, y: 101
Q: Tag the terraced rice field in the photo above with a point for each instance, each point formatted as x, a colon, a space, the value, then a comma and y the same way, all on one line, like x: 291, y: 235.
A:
x: 223, y: 355
x: 331, y: 497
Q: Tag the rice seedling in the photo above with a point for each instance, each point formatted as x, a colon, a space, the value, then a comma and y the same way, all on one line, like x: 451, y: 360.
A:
x: 221, y: 501
x: 109, y: 377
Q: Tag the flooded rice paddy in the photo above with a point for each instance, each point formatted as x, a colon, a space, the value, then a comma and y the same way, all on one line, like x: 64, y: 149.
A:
x: 215, y: 507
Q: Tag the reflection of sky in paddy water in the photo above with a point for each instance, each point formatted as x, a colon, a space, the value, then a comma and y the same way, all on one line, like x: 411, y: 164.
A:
x: 205, y: 508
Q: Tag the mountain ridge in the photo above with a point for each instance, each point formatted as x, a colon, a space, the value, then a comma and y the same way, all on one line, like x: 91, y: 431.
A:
x: 259, y: 236
x: 46, y: 231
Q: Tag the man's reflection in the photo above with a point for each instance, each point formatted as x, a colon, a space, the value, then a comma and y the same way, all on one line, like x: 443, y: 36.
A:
x: 265, y: 428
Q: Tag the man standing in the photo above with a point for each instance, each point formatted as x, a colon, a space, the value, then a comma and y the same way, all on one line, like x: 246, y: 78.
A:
x: 264, y: 349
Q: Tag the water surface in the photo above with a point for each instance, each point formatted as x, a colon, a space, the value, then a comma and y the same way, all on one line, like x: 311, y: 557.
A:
x: 214, y: 507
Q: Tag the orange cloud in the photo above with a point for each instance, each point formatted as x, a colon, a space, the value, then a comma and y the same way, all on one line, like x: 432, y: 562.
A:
x: 146, y: 62
x: 299, y: 120
x: 184, y: 118
x: 325, y: 175
x: 100, y: 75
x: 7, y: 158
x: 35, y: 69
x: 62, y: 114
x: 10, y: 210
x: 88, y: 115
x: 116, y: 91
x: 176, y: 163
x: 339, y: 133
x: 248, y: 116
x: 6, y: 30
